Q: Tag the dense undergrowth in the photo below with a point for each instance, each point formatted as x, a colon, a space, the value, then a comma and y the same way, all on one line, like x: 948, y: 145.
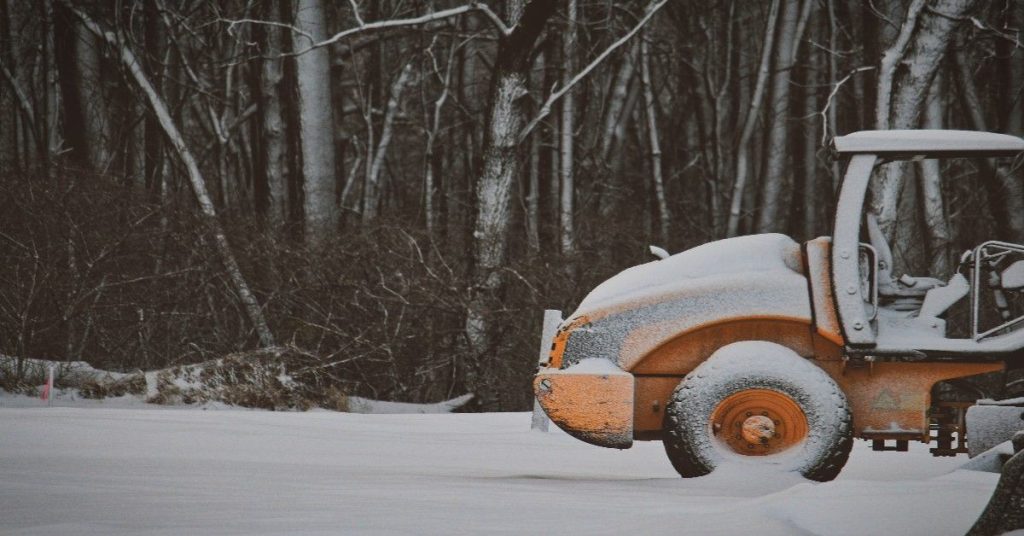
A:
x: 97, y: 272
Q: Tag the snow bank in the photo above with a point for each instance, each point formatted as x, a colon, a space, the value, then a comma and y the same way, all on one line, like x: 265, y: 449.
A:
x: 127, y: 471
x: 260, y: 379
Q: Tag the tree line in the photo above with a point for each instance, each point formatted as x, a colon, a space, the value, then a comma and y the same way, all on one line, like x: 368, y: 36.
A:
x: 394, y: 190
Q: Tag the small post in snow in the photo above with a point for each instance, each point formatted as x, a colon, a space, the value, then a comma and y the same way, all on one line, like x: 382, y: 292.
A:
x: 552, y: 318
x: 49, y: 387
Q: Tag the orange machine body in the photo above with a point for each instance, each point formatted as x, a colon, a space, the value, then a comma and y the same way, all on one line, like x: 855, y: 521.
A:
x: 616, y: 361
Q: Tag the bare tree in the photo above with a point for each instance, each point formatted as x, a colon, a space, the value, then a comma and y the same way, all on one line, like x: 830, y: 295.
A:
x: 920, y: 46
x: 271, y: 159
x: 432, y: 131
x: 568, y: 131
x: 624, y: 94
x: 651, y: 112
x: 198, y: 183
x: 930, y: 187
x: 494, y: 186
x: 371, y: 192
x: 792, y: 21
x: 316, y: 123
x: 750, y: 119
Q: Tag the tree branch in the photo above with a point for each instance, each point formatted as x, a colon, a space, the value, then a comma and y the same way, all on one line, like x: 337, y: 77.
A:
x: 652, y: 8
x: 380, y: 25
x: 828, y: 102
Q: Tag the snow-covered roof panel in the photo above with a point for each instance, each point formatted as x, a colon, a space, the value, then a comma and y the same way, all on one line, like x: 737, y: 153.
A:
x: 933, y: 143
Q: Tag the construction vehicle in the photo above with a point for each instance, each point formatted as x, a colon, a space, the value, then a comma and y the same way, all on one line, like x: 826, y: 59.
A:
x: 761, y: 350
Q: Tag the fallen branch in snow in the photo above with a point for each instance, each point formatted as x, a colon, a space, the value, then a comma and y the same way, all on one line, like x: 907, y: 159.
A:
x: 265, y: 379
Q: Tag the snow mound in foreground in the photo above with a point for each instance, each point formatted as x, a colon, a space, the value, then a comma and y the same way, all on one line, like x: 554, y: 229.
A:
x: 115, y: 472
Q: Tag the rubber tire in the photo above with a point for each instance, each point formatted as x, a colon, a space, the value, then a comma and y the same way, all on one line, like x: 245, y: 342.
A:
x: 688, y: 439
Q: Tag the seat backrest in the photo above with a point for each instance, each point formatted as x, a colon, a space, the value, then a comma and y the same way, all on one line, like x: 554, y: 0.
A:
x: 1012, y: 278
x: 881, y: 248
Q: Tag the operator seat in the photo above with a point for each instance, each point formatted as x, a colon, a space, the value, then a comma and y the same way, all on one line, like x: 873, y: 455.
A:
x: 905, y: 293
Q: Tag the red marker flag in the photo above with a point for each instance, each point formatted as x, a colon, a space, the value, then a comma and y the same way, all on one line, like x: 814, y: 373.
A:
x: 48, y: 388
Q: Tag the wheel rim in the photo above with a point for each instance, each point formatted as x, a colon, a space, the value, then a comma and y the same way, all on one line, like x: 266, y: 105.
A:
x: 759, y: 422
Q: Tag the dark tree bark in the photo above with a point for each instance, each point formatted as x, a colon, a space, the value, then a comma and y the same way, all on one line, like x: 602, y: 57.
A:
x: 271, y: 162
x: 1005, y: 190
x: 505, y: 119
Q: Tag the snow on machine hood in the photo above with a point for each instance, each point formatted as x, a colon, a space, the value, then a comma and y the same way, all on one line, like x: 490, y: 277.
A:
x: 754, y: 253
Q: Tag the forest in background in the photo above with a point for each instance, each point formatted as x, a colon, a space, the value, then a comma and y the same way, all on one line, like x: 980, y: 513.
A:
x: 393, y: 190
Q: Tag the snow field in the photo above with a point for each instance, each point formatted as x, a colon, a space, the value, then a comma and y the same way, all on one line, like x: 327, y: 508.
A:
x: 184, y: 471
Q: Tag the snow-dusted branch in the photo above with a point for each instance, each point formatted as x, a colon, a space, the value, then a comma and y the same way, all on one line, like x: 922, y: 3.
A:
x: 355, y: 12
x: 362, y: 26
x: 831, y: 95
x: 545, y: 109
x: 236, y: 22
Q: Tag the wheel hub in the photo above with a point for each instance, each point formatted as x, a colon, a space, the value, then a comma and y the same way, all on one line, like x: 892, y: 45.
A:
x: 758, y: 429
x: 759, y: 422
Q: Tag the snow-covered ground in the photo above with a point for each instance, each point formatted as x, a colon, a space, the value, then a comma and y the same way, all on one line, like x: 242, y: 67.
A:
x: 110, y: 470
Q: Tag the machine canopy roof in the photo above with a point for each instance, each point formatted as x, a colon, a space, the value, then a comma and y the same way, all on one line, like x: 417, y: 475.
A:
x: 927, y: 143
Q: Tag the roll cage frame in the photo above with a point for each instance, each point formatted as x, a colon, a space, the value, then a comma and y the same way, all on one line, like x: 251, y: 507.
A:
x: 865, y: 150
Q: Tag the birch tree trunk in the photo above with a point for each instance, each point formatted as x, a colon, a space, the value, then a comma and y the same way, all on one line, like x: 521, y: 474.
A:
x: 430, y: 159
x: 565, y: 214
x: 650, y: 111
x: 89, y: 80
x: 625, y: 93
x: 196, y: 180
x: 8, y: 103
x: 1013, y: 100
x: 616, y: 104
x: 270, y: 162
x: 905, y: 73
x: 533, y: 196
x: 78, y: 63
x: 936, y: 227
x: 316, y: 123
x: 153, y: 41
x: 778, y: 149
x: 743, y: 149
x: 505, y: 119
x: 371, y: 192
x: 810, y: 161
x: 833, y: 73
